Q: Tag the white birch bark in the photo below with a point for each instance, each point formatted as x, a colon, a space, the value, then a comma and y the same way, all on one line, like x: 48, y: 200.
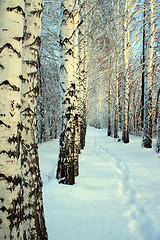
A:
x: 147, y: 124
x: 157, y: 147
x: 77, y: 23
x: 65, y: 170
x: 116, y: 71
x: 126, y: 82
x: 11, y: 33
x: 82, y: 73
x: 109, y: 97
x: 34, y: 227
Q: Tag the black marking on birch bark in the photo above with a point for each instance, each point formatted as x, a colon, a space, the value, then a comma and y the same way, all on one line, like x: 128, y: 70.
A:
x: 14, y: 214
x: 9, y: 46
x: 18, y: 38
x: 62, y: 67
x: 32, y: 74
x: 71, y: 93
x: 2, y: 199
x: 63, y: 22
x: 2, y: 123
x: 31, y: 63
x: 6, y: 82
x: 27, y: 4
x: 65, y: 40
x: 14, y: 139
x: 34, y: 90
x: 65, y: 12
x: 24, y: 80
x: 10, y: 153
x: 20, y: 127
x: 28, y: 112
x: 37, y: 42
x: 9, y: 179
x: 37, y: 12
x: 67, y: 100
x: 70, y: 52
x: 68, y: 116
x: 26, y: 36
x: 12, y: 115
x: 1, y: 66
x: 18, y: 106
x: 17, y: 9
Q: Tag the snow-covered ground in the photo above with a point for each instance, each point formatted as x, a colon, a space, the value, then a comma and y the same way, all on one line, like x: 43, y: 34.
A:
x: 116, y: 195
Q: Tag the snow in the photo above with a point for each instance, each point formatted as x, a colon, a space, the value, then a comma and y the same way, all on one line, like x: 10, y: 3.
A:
x: 116, y: 195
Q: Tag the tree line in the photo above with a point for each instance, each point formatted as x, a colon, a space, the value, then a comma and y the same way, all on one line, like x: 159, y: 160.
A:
x: 108, y: 55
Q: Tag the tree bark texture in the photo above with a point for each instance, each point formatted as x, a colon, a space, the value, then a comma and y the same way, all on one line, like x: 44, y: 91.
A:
x: 157, y: 147
x: 32, y: 184
x: 65, y: 170
x: 147, y: 120
x: 82, y: 42
x: 10, y: 104
x: 126, y: 82
x: 21, y: 193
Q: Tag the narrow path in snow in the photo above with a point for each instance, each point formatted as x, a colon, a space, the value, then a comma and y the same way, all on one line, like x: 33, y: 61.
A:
x: 116, y: 195
x: 139, y: 221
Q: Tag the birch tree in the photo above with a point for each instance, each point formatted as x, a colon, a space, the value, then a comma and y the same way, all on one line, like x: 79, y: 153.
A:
x: 21, y: 193
x: 157, y: 147
x: 65, y: 170
x: 147, y: 124
x: 82, y: 47
x: 31, y: 180
x: 10, y: 101
x: 48, y: 102
x: 126, y: 82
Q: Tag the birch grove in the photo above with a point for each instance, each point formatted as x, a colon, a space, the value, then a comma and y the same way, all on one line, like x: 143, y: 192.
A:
x: 111, y: 39
x: 106, y: 59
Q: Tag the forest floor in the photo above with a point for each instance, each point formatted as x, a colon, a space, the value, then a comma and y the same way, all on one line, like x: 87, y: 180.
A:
x: 116, y: 195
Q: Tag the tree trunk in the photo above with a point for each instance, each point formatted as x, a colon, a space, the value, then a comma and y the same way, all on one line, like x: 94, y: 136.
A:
x: 157, y: 147
x: 82, y: 74
x: 109, y: 98
x: 76, y: 20
x: 21, y: 193
x: 143, y: 70
x: 33, y: 215
x: 147, y: 122
x: 126, y: 82
x: 116, y: 73
x: 65, y: 170
x: 10, y: 103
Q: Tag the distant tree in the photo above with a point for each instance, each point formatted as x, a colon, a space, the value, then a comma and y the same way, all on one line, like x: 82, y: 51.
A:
x: 157, y: 147
x: 126, y: 80
x: 48, y: 104
x: 147, y: 120
x: 82, y: 53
